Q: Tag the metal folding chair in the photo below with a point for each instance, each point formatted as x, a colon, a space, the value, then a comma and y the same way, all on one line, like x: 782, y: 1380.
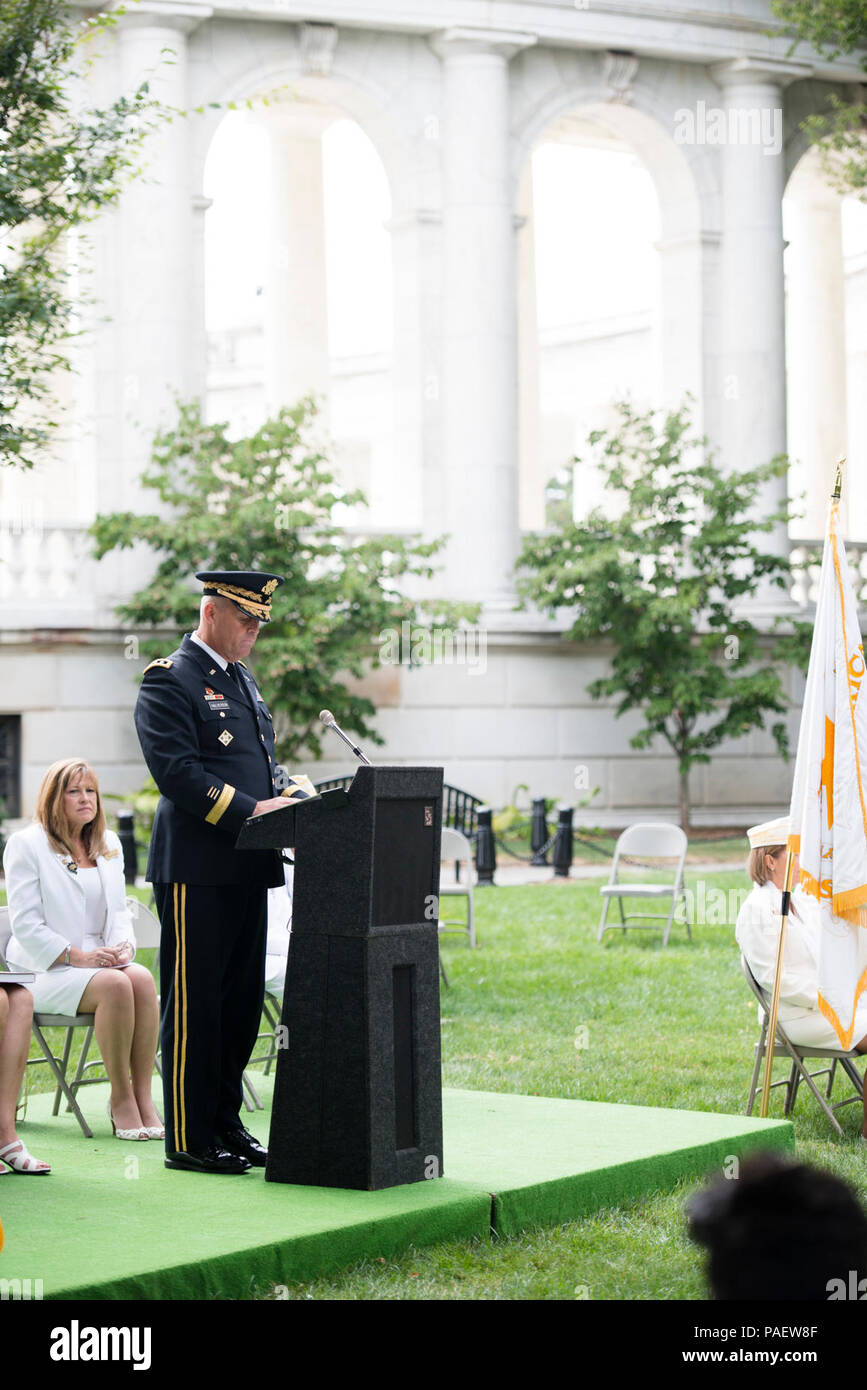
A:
x: 650, y: 840
x: 456, y: 847
x: 58, y: 1065
x: 797, y: 1055
x: 147, y: 934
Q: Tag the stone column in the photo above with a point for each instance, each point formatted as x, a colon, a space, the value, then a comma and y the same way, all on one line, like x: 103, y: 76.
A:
x: 479, y: 398
x: 855, y: 483
x: 816, y: 339
x: 532, y: 471
x: 296, y: 311
x: 143, y: 357
x: 752, y: 361
x: 415, y: 474
x: 198, y: 332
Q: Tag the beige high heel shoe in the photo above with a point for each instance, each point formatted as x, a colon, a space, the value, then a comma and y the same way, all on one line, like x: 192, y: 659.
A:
x: 130, y: 1135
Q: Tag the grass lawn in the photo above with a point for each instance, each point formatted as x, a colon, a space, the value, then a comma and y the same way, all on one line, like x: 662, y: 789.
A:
x: 672, y: 1028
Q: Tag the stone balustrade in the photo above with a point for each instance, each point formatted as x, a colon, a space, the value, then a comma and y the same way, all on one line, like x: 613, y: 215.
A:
x: 806, y: 556
x: 48, y: 575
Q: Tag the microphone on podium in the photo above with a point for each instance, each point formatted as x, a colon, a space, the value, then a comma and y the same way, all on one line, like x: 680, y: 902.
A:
x: 327, y: 718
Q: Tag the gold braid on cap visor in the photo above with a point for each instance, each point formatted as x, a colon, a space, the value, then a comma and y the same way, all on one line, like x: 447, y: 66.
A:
x: 248, y: 598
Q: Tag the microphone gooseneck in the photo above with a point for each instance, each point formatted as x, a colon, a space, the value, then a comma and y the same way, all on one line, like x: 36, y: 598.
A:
x: 327, y: 718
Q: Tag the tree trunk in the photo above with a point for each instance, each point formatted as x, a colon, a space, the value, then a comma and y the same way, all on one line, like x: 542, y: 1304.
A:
x: 684, y: 800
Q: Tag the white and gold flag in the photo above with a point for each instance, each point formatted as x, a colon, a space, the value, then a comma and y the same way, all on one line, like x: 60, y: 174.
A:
x: 829, y: 793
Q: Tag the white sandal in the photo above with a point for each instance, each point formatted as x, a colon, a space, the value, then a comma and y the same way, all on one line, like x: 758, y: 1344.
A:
x: 126, y: 1135
x: 17, y: 1160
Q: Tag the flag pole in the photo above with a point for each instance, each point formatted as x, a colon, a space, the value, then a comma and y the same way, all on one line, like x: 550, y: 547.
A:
x: 771, y: 1038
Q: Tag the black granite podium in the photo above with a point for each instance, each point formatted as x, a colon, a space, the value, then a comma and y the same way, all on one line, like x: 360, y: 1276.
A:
x: 357, y: 1093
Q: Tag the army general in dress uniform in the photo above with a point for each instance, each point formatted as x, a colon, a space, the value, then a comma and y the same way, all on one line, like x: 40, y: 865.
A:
x: 208, y: 740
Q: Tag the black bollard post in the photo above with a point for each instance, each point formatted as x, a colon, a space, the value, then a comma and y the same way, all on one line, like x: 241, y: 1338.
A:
x: 563, y: 843
x: 126, y: 835
x: 539, y: 833
x: 486, y: 853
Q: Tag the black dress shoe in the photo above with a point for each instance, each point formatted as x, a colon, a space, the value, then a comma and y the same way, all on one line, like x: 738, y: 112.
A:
x: 211, y: 1160
x: 238, y: 1141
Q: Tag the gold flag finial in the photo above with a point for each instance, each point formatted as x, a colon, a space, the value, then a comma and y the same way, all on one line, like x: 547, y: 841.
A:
x: 838, y: 482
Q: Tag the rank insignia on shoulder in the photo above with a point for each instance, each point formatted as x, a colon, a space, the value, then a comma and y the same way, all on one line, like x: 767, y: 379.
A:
x: 164, y: 661
x: 225, y: 738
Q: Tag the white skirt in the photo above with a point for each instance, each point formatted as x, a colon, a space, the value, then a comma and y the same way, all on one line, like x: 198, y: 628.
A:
x: 814, y: 1030
x: 59, y: 990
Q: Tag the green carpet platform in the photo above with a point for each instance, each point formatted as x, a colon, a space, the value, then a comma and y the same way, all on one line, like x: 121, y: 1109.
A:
x: 111, y: 1222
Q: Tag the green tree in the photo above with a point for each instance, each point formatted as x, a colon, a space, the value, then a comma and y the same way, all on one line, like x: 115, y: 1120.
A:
x: 268, y: 503
x: 662, y: 581
x: 59, y: 167
x: 834, y: 27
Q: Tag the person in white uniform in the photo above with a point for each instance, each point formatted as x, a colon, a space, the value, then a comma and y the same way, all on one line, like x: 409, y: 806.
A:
x: 279, y: 931
x: 71, y: 926
x: 758, y: 933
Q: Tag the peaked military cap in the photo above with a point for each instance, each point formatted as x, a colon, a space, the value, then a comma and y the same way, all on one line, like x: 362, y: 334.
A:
x: 249, y: 590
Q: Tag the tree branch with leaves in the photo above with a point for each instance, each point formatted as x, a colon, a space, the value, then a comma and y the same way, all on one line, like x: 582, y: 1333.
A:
x: 840, y: 133
x: 268, y: 503
x: 59, y: 168
x: 663, y: 578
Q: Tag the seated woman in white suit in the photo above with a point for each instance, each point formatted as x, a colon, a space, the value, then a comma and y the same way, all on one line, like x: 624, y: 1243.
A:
x: 70, y: 924
x: 758, y: 932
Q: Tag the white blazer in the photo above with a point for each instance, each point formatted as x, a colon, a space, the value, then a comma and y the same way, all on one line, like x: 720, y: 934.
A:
x: 758, y: 932
x: 47, y: 901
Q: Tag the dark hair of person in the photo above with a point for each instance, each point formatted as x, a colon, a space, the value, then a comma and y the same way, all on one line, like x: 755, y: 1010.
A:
x: 779, y: 1230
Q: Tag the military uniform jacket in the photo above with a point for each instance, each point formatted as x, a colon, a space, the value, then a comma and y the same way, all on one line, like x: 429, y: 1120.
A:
x: 210, y: 749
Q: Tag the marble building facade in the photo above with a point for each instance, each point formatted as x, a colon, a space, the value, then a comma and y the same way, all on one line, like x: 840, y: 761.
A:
x: 455, y: 96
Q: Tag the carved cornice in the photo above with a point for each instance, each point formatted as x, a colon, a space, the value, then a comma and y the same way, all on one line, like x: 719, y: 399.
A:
x: 461, y: 40
x: 618, y: 74
x: 318, y: 42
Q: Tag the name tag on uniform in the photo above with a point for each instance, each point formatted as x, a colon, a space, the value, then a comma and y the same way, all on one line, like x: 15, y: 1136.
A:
x: 214, y: 699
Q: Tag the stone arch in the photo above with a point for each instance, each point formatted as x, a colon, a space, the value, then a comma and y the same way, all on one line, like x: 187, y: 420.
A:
x: 367, y: 456
x: 803, y: 99
x: 342, y: 90
x: 688, y: 197
x: 686, y: 182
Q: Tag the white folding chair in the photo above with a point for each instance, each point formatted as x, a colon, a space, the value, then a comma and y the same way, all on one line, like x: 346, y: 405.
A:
x: 456, y: 848
x: 797, y: 1055
x: 147, y: 934
x: 68, y: 1022
x: 272, y: 1009
x: 647, y: 841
